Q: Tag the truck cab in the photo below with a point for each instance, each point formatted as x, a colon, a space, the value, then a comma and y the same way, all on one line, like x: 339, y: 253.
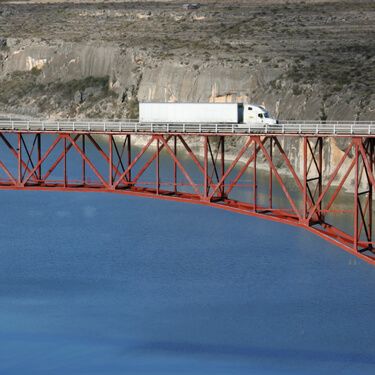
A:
x: 257, y: 114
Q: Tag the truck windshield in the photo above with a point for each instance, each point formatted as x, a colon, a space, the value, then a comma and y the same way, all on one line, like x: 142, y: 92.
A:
x: 266, y: 115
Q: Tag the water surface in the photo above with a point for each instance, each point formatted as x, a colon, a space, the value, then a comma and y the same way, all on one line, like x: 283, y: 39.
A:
x: 110, y: 284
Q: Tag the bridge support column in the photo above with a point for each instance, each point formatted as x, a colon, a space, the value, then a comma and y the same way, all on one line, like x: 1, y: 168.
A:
x: 129, y: 149
x: 39, y: 147
x: 255, y: 182
x: 362, y: 205
x: 65, y: 164
x: 304, y: 178
x: 370, y: 193
x: 320, y: 174
x: 19, y: 154
x: 222, y: 159
x: 83, y: 160
x: 312, y: 178
x: 157, y: 166
x: 270, y: 181
x: 175, y: 165
x: 110, y: 164
x: 205, y: 168
x: 356, y: 187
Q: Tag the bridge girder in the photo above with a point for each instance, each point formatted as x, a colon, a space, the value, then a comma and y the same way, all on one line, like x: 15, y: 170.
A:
x: 257, y: 178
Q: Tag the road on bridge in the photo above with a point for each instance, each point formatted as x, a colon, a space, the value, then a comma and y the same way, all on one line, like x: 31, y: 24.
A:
x: 328, y: 128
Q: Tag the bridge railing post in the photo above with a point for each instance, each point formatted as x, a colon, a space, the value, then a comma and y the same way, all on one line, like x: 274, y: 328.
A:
x: 216, y: 128
x: 232, y: 128
x: 12, y: 125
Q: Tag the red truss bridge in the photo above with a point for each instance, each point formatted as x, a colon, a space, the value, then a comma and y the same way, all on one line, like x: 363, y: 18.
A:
x: 247, y: 170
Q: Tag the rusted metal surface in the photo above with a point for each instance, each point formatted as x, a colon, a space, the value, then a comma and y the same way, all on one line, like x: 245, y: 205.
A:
x: 162, y: 169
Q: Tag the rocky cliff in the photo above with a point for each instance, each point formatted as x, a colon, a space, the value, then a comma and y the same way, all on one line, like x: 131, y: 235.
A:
x: 301, y: 59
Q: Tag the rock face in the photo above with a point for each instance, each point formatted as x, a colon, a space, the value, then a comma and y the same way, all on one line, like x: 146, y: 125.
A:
x: 133, y: 74
x: 302, y: 60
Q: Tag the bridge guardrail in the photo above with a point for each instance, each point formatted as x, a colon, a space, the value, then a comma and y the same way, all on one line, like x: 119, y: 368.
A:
x: 286, y: 127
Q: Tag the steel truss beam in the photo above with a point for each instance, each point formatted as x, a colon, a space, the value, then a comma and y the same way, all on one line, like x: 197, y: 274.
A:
x: 212, y: 175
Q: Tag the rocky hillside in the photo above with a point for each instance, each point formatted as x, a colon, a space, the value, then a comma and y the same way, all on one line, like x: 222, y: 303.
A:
x: 302, y: 59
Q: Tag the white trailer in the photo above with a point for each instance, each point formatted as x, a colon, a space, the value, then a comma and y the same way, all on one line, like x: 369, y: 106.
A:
x: 218, y: 113
x: 188, y: 112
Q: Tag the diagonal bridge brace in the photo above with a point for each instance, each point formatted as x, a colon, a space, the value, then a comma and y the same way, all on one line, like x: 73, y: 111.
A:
x: 279, y: 179
x: 129, y: 168
x: 233, y: 164
x: 16, y: 154
x: 331, y: 179
x: 180, y: 166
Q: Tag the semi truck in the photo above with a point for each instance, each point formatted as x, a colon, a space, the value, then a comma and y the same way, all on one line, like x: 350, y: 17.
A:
x: 218, y: 113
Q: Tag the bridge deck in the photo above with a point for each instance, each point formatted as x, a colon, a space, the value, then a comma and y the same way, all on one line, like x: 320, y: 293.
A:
x: 290, y: 128
x: 65, y: 156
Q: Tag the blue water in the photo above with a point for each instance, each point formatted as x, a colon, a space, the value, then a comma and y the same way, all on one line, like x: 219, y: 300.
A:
x: 109, y: 284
